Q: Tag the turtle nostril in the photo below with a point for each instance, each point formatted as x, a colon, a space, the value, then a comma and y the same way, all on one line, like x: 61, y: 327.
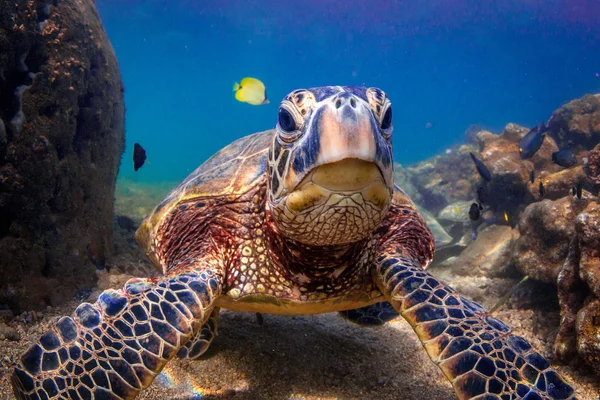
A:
x: 338, y: 103
x: 352, y: 103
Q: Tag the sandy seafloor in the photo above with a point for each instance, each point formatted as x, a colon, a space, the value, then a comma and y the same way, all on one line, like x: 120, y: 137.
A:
x: 308, y: 357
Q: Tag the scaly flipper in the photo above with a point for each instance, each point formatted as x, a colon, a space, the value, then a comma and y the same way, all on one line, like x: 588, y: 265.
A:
x: 374, y: 315
x: 476, y: 352
x: 115, y: 347
x: 198, y: 345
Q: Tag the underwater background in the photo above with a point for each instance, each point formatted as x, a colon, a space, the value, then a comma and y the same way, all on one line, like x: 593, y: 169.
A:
x: 445, y: 66
x: 512, y: 202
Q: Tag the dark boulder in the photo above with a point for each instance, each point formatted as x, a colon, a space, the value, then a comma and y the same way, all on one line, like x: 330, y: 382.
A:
x: 61, y: 141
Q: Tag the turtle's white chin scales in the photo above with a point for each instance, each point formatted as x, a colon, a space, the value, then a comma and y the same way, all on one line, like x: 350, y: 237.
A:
x: 335, y: 204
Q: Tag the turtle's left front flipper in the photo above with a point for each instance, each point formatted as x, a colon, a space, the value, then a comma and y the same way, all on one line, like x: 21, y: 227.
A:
x: 476, y: 352
x: 116, y: 347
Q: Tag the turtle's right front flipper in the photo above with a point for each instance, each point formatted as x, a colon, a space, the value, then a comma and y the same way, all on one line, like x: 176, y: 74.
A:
x: 115, y: 347
x: 478, y: 353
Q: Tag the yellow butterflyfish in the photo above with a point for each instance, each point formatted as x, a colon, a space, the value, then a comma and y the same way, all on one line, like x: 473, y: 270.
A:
x: 251, y: 91
x: 505, y: 216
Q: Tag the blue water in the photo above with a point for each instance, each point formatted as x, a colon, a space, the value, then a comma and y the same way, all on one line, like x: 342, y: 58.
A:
x: 449, y: 63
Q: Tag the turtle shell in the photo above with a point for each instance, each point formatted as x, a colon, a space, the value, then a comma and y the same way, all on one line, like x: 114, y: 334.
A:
x: 232, y: 170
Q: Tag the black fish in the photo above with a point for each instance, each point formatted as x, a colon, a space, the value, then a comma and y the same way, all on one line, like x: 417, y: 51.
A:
x: 542, y: 190
x: 532, y: 141
x: 481, y: 168
x: 579, y: 190
x: 532, y: 176
x: 126, y: 223
x: 564, y: 158
x: 573, y: 190
x: 139, y: 156
x: 474, y: 212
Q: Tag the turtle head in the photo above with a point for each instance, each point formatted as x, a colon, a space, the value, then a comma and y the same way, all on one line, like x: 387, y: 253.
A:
x: 330, y: 164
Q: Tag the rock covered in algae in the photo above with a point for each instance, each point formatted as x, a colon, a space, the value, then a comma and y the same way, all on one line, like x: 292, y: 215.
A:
x: 402, y: 178
x: 486, y: 256
x: 511, y: 175
x: 546, y: 229
x: 61, y: 140
x: 558, y: 184
x: 588, y: 235
x: 579, y: 292
x: 444, y: 179
x: 577, y: 123
x: 513, y: 132
x: 592, y: 166
x: 588, y: 334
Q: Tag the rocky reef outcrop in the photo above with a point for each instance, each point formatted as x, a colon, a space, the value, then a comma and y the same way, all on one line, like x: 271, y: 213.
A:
x: 61, y: 140
x: 546, y: 228
x: 511, y: 186
x: 577, y: 124
x: 440, y: 180
x: 559, y: 243
x: 579, y: 291
x: 534, y: 223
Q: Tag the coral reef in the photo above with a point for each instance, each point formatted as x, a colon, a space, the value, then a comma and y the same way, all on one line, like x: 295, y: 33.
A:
x: 61, y: 140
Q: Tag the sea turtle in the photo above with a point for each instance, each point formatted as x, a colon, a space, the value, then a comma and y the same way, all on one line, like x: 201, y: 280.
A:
x: 301, y: 219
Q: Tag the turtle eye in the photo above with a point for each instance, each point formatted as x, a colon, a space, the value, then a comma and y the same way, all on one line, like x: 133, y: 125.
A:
x: 386, y: 121
x: 286, y: 120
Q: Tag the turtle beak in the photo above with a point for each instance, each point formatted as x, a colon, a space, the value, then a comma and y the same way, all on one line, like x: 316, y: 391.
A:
x: 342, y: 128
